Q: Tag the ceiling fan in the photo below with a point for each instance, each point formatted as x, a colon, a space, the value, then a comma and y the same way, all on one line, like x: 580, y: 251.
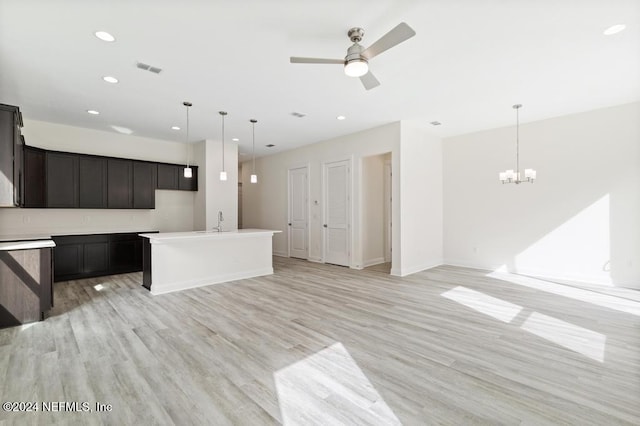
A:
x: 356, y: 63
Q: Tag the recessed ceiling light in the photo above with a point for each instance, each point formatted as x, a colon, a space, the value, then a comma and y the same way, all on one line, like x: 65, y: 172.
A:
x: 110, y: 79
x: 105, y: 36
x: 270, y: 145
x: 175, y: 128
x: 435, y: 123
x: 123, y: 130
x: 235, y: 139
x: 93, y: 112
x: 340, y: 117
x: 614, y: 29
x: 299, y: 114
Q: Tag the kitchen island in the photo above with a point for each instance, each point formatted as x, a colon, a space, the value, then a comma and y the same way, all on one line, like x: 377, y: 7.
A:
x: 174, y: 261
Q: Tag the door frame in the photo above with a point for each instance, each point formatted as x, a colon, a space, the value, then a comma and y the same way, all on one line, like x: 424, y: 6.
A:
x: 388, y: 194
x: 350, y: 161
x: 306, y: 166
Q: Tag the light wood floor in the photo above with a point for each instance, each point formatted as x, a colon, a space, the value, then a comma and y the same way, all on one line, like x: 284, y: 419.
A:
x: 319, y: 344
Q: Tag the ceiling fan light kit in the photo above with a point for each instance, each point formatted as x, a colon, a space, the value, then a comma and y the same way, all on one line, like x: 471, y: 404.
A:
x: 513, y: 176
x: 356, y: 63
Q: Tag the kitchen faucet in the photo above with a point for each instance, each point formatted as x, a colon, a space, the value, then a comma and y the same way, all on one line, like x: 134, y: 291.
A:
x: 220, y: 220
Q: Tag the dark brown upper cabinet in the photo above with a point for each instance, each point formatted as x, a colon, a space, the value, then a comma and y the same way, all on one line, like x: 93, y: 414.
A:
x: 144, y: 185
x: 34, y: 187
x: 119, y: 183
x: 171, y: 176
x: 168, y: 176
x: 62, y: 180
x: 188, y: 184
x: 11, y: 144
x: 93, y: 182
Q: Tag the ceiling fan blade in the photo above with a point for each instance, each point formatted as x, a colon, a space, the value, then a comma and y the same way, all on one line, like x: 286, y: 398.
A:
x: 394, y: 37
x: 297, y: 60
x: 369, y: 81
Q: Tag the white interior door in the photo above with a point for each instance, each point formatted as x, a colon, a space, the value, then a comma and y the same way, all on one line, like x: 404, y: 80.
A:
x: 337, y: 214
x: 298, y: 214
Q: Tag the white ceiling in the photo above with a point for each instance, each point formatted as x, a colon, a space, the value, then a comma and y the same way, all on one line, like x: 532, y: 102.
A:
x: 469, y: 62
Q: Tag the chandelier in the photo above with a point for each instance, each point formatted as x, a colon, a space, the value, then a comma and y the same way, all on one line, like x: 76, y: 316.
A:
x: 513, y: 176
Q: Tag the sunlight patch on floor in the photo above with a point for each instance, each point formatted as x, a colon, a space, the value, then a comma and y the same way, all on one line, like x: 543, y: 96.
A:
x: 604, y: 300
x: 328, y: 387
x: 578, y: 339
x: 483, y: 303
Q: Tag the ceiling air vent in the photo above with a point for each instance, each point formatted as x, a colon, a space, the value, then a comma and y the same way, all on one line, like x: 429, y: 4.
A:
x: 148, y: 67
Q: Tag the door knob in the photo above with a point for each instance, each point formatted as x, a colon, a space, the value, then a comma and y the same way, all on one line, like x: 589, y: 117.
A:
x: 289, y: 223
x: 325, y: 225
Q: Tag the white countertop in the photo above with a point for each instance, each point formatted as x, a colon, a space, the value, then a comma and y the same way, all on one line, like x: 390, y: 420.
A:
x: 13, y: 238
x: 26, y: 245
x: 238, y: 233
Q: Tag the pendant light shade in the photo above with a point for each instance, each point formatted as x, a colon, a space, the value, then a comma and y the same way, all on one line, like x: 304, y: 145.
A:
x: 188, y: 172
x: 254, y: 176
x: 223, y: 173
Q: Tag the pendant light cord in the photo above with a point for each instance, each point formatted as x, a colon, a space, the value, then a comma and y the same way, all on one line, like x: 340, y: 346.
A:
x: 187, y: 140
x: 223, y: 142
x: 253, y: 128
x: 518, y: 140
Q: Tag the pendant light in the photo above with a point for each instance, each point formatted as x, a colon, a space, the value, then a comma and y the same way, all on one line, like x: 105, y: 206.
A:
x: 223, y: 174
x: 254, y: 176
x: 511, y: 176
x: 188, y: 172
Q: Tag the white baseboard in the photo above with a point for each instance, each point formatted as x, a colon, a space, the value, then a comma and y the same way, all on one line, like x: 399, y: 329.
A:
x: 398, y: 272
x: 280, y: 254
x: 315, y: 260
x: 533, y: 272
x: 371, y: 262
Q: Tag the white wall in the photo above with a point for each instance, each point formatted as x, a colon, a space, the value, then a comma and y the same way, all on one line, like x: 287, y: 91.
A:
x: 174, y: 209
x: 373, y: 210
x: 580, y: 220
x: 421, y: 208
x: 265, y: 203
x: 215, y: 195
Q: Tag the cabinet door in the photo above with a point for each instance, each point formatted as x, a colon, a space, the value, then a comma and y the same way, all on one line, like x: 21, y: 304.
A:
x: 34, y: 178
x: 119, y: 183
x: 188, y: 184
x: 68, y: 260
x: 168, y: 176
x: 96, y: 258
x: 62, y: 180
x: 92, y: 182
x: 144, y: 185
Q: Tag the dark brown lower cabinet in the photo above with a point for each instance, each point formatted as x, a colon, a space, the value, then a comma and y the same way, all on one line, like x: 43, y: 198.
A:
x: 84, y: 256
x: 26, y: 292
